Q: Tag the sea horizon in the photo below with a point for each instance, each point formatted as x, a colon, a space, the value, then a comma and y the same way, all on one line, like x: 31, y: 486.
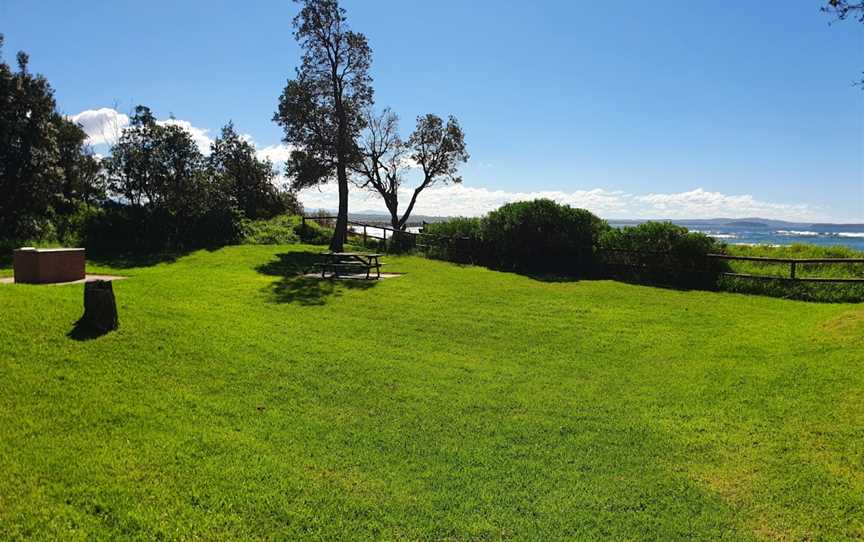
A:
x: 732, y: 231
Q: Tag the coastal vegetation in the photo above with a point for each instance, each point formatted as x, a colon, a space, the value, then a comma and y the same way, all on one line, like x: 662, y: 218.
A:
x: 810, y: 291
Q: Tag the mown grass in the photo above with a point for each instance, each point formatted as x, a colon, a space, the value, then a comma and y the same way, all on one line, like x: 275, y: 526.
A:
x: 238, y: 401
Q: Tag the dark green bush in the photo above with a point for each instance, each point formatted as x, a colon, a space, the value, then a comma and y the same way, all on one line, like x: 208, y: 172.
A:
x: 542, y: 236
x: 72, y: 227
x: 660, y: 252
x: 662, y: 237
x: 457, y: 240
x: 455, y: 227
x: 280, y: 230
x: 284, y: 230
x: 401, y: 243
x: 313, y: 233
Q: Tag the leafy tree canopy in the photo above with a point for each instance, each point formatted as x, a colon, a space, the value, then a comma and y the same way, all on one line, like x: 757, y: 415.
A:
x: 321, y: 109
x: 45, y: 168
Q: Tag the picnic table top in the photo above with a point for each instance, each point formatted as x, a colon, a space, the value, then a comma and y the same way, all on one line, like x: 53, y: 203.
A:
x: 366, y: 254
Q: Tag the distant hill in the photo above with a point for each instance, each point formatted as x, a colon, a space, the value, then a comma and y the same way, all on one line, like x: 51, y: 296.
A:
x: 746, y: 224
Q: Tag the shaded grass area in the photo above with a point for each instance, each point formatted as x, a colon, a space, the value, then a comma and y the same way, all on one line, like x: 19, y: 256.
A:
x: 453, y: 403
x: 293, y: 287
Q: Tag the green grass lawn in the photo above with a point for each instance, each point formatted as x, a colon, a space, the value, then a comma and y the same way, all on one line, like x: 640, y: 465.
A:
x: 452, y: 403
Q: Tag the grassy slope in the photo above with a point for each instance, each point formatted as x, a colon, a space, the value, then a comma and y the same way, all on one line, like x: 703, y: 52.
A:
x: 451, y: 403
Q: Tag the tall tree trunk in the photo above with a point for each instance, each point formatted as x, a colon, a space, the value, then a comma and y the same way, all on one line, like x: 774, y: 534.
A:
x: 340, y: 234
x: 404, y: 220
x: 393, y: 206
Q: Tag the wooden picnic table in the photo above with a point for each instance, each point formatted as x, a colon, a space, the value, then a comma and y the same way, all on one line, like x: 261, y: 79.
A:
x: 336, y: 262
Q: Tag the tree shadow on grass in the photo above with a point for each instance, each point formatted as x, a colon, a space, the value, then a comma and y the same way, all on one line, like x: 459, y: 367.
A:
x: 634, y: 279
x: 295, y: 287
x: 311, y: 291
x: 290, y: 264
x: 127, y: 260
x: 551, y: 277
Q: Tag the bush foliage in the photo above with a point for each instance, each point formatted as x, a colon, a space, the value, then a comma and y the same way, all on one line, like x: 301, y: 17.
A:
x: 457, y: 240
x: 285, y: 230
x: 663, y: 237
x: 525, y: 236
x: 280, y: 230
x: 542, y: 235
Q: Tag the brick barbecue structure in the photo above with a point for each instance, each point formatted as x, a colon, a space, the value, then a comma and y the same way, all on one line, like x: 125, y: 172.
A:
x: 47, y: 265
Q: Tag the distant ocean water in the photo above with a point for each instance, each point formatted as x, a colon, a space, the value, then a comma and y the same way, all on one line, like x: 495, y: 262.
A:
x: 847, y: 235
x: 749, y: 232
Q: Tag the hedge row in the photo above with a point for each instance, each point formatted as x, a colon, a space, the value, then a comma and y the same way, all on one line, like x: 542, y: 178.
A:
x: 544, y: 236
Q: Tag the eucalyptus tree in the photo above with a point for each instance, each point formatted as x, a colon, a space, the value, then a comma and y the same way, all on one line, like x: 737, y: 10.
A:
x: 29, y: 168
x: 247, y: 180
x: 46, y: 170
x: 842, y: 9
x: 434, y: 148
x: 321, y: 108
x: 846, y: 9
x: 157, y: 169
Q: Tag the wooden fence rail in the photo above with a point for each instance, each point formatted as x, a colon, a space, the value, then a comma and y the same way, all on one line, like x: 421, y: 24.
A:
x: 793, y: 264
x: 383, y: 227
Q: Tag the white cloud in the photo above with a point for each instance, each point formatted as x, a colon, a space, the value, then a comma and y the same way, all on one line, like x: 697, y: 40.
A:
x: 700, y: 203
x: 105, y: 126
x: 461, y: 200
x: 102, y: 126
x: 278, y: 154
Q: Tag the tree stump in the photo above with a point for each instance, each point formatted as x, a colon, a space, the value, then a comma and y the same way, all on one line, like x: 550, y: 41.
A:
x: 100, y: 307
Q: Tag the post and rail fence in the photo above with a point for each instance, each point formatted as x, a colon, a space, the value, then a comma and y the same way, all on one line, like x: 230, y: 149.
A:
x: 366, y: 234
x: 707, y: 264
x: 794, y: 264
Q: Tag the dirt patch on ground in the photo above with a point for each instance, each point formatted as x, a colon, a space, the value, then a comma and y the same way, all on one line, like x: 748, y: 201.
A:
x: 847, y: 326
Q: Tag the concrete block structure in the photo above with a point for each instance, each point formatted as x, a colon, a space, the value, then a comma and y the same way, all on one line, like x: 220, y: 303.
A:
x: 47, y: 265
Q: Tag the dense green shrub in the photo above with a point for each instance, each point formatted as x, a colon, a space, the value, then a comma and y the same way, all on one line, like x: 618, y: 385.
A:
x: 663, y: 237
x: 116, y: 227
x: 542, y: 235
x: 284, y: 230
x: 660, y: 252
x: 457, y: 240
x: 313, y: 233
x: 281, y: 230
x: 455, y: 227
x: 401, y: 243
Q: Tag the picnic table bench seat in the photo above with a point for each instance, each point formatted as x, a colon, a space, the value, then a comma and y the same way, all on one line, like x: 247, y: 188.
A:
x: 339, y: 261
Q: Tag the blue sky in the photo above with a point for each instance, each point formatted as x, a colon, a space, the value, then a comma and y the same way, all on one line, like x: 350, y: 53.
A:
x: 642, y: 109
